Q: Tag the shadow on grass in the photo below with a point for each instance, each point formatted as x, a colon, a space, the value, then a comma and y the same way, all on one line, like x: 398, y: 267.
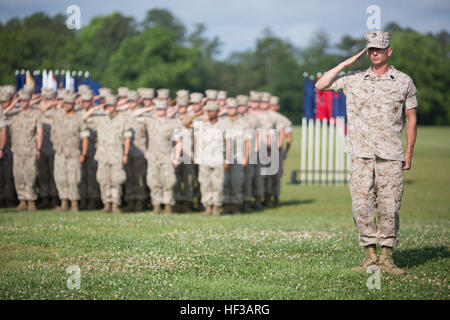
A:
x: 418, y: 256
x: 296, y: 202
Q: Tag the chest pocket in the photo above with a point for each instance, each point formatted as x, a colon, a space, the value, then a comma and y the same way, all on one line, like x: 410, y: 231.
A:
x: 391, y: 105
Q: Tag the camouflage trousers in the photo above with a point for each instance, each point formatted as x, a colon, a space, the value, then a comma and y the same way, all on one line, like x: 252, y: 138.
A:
x: 211, y: 179
x: 89, y: 186
x: 7, y: 191
x: 110, y: 177
x: 249, y: 171
x: 45, y: 178
x: 233, y: 181
x: 67, y: 177
x: 184, y: 188
x: 161, y: 180
x: 257, y: 181
x: 25, y: 173
x: 275, y: 187
x: 135, y: 185
x: 376, y: 184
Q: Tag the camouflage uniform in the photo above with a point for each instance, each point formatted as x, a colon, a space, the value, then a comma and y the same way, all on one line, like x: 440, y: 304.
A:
x: 161, y: 173
x: 184, y: 172
x: 267, y: 122
x: 281, y: 123
x: 70, y: 129
x: 211, y: 152
x: 234, y: 174
x: 46, y: 181
x: 111, y: 135
x: 136, y: 168
x: 7, y: 191
x: 89, y: 186
x: 375, y: 108
x: 252, y: 185
x: 23, y: 128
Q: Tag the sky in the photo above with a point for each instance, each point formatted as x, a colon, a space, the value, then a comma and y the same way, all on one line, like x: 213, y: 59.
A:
x: 238, y: 23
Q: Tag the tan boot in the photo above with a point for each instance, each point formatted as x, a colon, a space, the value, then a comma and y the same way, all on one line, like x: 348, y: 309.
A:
x: 115, y: 208
x: 22, y: 206
x: 157, y: 209
x: 74, y: 206
x: 64, y: 206
x: 216, y: 211
x: 168, y: 209
x: 386, y: 263
x: 208, y: 211
x: 369, y: 260
x: 106, y: 208
x: 31, y: 205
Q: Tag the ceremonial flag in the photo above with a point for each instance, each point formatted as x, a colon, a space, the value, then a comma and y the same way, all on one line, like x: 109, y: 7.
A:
x: 37, y: 81
x: 309, y: 97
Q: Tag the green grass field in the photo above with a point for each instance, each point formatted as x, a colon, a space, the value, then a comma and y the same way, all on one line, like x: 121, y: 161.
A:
x: 301, y: 250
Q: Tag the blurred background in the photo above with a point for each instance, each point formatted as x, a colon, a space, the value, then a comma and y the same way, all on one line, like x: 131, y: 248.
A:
x: 236, y: 46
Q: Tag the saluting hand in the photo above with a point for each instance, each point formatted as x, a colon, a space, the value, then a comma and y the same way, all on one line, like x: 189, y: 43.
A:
x: 353, y: 59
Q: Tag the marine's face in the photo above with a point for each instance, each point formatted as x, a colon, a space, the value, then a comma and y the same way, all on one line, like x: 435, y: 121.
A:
x: 68, y: 107
x: 253, y: 104
x: 24, y: 104
x: 111, y: 109
x: 160, y: 113
x: 231, y: 111
x: 241, y: 109
x: 379, y: 56
x: 182, y: 109
x: 85, y: 104
x: 275, y: 107
x: 132, y: 104
x: 196, y: 106
x: 212, y: 114
x: 147, y: 102
x: 264, y: 105
x: 5, y: 104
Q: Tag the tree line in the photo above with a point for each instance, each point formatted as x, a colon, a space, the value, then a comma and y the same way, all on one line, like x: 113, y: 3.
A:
x: 159, y: 52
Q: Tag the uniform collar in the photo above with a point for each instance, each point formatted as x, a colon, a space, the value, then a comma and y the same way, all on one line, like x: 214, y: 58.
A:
x: 390, y: 75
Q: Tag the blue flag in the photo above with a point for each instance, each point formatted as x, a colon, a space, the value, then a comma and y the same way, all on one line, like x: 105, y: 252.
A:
x: 309, y: 98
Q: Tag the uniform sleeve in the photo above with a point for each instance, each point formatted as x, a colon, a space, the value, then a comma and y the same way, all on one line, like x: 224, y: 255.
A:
x: 84, y: 131
x: 2, y: 119
x: 339, y: 84
x: 411, y: 98
x: 288, y: 126
x: 38, y: 121
x: 127, y: 133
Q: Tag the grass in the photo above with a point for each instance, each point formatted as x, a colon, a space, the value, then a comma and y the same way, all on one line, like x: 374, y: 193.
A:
x: 301, y: 250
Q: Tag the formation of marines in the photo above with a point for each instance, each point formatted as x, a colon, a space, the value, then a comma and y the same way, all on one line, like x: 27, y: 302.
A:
x: 141, y: 150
